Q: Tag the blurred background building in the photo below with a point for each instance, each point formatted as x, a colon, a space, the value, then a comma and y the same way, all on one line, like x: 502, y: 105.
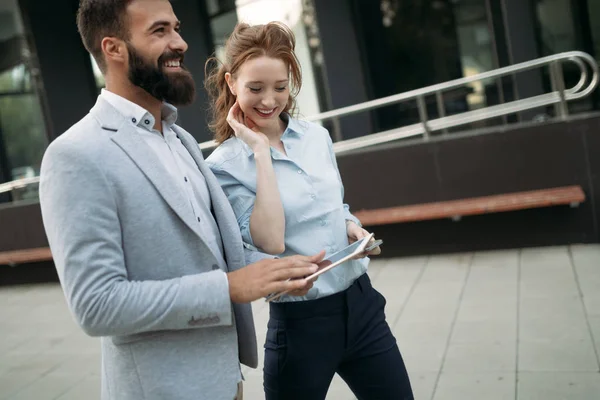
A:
x: 351, y: 51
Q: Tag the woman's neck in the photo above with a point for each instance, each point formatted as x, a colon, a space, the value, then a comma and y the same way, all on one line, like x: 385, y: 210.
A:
x: 274, y: 131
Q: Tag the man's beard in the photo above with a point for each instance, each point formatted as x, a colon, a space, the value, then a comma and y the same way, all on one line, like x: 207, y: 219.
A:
x: 177, y: 88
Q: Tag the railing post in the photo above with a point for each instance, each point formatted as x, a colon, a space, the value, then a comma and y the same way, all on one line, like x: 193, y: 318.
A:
x: 441, y: 108
x: 423, y: 116
x: 558, y: 85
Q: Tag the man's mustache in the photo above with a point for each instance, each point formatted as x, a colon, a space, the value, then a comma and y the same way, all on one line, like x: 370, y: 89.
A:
x: 171, y: 55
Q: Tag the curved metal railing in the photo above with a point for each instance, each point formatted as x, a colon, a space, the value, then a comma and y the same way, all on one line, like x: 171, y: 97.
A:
x: 559, y: 97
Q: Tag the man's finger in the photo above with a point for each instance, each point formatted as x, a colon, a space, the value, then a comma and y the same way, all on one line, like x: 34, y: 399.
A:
x: 292, y: 273
x: 296, y: 285
x: 314, y: 259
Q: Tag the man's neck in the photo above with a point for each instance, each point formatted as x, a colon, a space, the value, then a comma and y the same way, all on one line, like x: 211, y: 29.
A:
x: 140, y: 97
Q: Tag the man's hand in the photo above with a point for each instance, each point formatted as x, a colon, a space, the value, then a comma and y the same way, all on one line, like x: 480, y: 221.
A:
x: 268, y: 276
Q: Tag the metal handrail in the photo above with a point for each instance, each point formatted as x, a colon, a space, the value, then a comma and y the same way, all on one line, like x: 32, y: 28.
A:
x: 559, y: 97
x: 18, y: 184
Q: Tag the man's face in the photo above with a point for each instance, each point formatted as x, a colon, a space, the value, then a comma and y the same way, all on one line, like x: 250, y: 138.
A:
x: 156, y: 52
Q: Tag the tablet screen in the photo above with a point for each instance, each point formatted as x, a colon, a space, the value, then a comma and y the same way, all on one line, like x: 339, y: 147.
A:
x: 335, y: 257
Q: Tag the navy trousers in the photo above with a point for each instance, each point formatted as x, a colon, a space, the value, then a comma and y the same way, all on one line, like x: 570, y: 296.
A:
x: 309, y: 341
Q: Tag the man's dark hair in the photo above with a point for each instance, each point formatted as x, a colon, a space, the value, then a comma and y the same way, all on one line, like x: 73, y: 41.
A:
x: 97, y: 19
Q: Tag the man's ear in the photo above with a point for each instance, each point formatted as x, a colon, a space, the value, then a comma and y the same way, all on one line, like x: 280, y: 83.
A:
x: 229, y: 80
x: 114, y: 50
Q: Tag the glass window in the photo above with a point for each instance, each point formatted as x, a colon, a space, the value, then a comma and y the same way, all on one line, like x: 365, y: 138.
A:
x: 567, y: 25
x: 594, y: 9
x: 556, y: 29
x: 22, y: 127
x: 409, y: 45
x: 221, y: 26
x: 474, y: 42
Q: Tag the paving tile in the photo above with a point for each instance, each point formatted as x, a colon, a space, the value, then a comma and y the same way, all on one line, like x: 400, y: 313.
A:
x: 88, y: 389
x: 484, y: 332
x: 488, y: 386
x: 423, y: 384
x: 555, y: 329
x: 49, y: 387
x: 467, y: 300
x: 595, y: 327
x: 558, y: 386
x: 488, y: 309
x: 585, y: 260
x: 592, y: 303
x: 14, y: 381
x: 565, y: 307
x: 423, y: 332
x: 498, y: 357
x: 419, y: 357
x: 554, y: 355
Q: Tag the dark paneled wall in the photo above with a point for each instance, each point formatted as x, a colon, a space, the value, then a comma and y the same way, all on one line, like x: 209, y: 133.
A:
x: 519, y: 159
x: 524, y: 158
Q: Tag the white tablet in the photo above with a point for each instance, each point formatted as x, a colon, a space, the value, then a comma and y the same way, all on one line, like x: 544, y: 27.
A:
x: 334, y: 260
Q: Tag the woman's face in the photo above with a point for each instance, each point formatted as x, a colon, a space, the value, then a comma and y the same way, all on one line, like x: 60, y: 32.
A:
x: 261, y: 86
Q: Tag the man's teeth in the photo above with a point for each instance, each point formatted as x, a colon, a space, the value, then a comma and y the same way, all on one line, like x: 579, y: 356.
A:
x: 265, y: 111
x: 173, y: 63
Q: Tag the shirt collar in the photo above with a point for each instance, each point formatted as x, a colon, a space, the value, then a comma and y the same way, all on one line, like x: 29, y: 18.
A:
x: 293, y: 125
x: 138, y: 115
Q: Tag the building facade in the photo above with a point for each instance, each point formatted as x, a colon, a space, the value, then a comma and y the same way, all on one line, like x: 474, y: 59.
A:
x: 351, y: 51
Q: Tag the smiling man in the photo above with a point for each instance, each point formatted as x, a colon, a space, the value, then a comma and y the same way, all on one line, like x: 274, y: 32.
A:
x: 146, y: 245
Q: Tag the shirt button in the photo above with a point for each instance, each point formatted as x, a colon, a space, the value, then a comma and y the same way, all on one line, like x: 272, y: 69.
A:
x: 299, y: 171
x: 323, y: 222
x: 146, y: 122
x: 133, y: 120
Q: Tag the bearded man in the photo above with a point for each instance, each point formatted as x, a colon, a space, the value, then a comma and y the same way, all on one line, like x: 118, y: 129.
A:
x: 146, y: 245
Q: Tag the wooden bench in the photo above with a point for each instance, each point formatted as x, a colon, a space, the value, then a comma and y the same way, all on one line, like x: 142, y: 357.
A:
x: 25, y: 256
x: 456, y: 209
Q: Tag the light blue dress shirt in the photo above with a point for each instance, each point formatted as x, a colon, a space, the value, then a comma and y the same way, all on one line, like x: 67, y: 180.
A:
x: 312, y: 194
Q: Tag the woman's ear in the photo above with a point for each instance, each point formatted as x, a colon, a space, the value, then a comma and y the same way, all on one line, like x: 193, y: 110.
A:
x: 229, y: 80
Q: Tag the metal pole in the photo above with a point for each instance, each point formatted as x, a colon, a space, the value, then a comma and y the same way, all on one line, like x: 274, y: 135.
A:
x: 441, y: 108
x: 558, y: 85
x: 423, y: 116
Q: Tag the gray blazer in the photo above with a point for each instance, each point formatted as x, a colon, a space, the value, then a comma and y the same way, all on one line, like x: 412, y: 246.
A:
x: 135, y: 269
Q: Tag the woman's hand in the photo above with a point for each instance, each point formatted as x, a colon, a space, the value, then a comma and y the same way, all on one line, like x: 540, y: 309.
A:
x: 355, y: 233
x: 246, y: 130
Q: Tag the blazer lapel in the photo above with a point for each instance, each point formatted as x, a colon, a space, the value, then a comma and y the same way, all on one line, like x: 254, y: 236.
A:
x: 226, y: 220
x: 125, y: 136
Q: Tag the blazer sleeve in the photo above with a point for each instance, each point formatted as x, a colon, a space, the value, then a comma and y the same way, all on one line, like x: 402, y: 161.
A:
x: 81, y: 220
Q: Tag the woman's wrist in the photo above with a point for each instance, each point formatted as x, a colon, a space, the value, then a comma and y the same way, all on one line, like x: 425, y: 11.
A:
x: 262, y: 152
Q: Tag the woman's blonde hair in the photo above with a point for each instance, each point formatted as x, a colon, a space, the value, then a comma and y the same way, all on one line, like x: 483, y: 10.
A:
x: 274, y: 40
